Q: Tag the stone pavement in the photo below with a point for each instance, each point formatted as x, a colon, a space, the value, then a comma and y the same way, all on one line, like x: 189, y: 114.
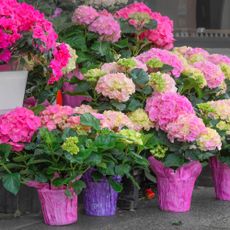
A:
x: 206, y: 214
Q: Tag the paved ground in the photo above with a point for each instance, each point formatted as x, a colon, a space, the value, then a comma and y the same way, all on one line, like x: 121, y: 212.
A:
x: 206, y: 214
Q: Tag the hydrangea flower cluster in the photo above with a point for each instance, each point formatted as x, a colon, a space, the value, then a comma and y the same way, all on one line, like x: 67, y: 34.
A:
x: 209, y: 140
x: 213, y: 74
x: 102, y: 23
x: 17, y: 127
x: 162, y: 36
x: 165, y: 57
x: 165, y: 108
x: 17, y: 18
x: 140, y: 120
x: 161, y: 82
x: 116, y: 86
x: 115, y: 120
x: 56, y: 116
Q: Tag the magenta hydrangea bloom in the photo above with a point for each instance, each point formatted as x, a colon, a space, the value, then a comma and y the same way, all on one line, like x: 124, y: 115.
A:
x: 17, y: 127
x: 165, y: 57
x: 107, y: 27
x: 213, y: 74
x: 165, y: 108
x: 187, y: 128
x: 162, y: 36
x: 84, y: 15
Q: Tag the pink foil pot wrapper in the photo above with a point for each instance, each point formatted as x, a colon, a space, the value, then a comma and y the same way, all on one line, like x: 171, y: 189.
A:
x: 175, y: 187
x: 99, y: 197
x: 57, y: 208
x: 221, y: 178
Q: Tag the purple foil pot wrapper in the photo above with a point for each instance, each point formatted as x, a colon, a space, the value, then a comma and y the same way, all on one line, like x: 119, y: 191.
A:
x: 99, y: 197
x: 175, y: 187
x: 221, y: 179
x: 73, y: 101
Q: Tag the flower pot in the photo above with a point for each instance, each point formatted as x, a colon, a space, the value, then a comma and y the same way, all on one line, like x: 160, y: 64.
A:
x: 57, y: 208
x: 175, y: 187
x: 221, y: 179
x: 99, y: 197
x: 12, y: 89
x: 70, y: 100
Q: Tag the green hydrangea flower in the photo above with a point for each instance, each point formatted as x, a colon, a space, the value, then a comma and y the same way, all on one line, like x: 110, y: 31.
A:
x: 140, y: 17
x: 226, y: 70
x: 93, y: 75
x: 128, y: 63
x: 159, y: 151
x: 155, y: 63
x: 70, y: 145
x: 157, y: 82
x: 133, y: 137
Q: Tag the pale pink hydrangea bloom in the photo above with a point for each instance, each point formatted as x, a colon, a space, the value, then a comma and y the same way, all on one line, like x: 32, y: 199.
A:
x: 84, y: 15
x: 84, y: 109
x: 218, y: 59
x: 165, y: 57
x: 17, y: 127
x: 209, y: 140
x: 162, y: 36
x: 165, y: 108
x: 115, y: 120
x: 107, y: 27
x: 116, y: 86
x: 55, y: 116
x: 112, y: 67
x: 213, y: 74
x: 187, y: 128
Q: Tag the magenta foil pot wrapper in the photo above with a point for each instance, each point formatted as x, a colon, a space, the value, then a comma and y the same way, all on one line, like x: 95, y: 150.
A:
x: 73, y: 101
x: 175, y: 187
x: 99, y: 197
x: 221, y: 179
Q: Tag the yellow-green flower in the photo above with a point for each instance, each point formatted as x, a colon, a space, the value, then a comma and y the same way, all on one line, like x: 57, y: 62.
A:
x: 226, y: 70
x: 133, y: 137
x: 93, y: 75
x: 72, y: 60
x: 140, y: 17
x: 140, y: 120
x: 159, y: 151
x: 155, y: 63
x: 128, y: 63
x: 70, y: 145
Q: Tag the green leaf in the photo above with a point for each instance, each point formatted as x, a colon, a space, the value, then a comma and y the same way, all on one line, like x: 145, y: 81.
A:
x: 166, y: 68
x: 151, y: 25
x: 134, y: 105
x: 96, y: 176
x: 60, y: 181
x: 122, y: 43
x: 101, y: 48
x: 94, y: 159
x: 115, y: 185
x: 118, y: 106
x: 78, y: 186
x: 5, y: 149
x: 126, y: 27
x: 139, y: 76
x: 37, y: 109
x: 105, y: 141
x: 121, y: 170
x: 11, y: 182
x: 149, y: 176
x: 68, y: 193
x: 173, y: 160
x: 88, y: 119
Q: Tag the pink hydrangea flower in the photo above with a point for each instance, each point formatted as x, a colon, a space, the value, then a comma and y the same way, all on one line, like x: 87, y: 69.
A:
x: 165, y: 57
x: 115, y: 120
x: 209, y: 140
x: 17, y: 127
x: 84, y: 109
x: 56, y: 116
x: 116, y: 86
x: 107, y: 27
x: 5, y: 55
x: 213, y: 74
x: 166, y: 108
x: 218, y: 59
x: 162, y: 36
x: 112, y: 67
x: 84, y: 15
x: 61, y: 57
x: 187, y: 128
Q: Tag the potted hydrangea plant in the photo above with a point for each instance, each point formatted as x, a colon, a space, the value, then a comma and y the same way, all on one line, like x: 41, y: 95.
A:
x: 28, y: 40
